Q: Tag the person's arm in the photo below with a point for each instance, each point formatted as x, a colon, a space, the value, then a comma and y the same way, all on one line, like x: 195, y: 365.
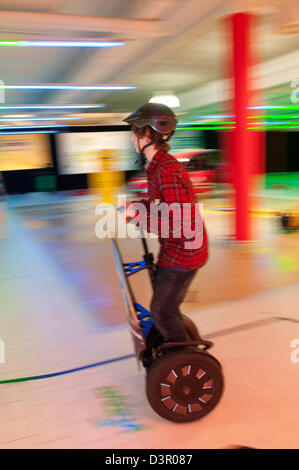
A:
x: 133, y: 207
x: 164, y: 216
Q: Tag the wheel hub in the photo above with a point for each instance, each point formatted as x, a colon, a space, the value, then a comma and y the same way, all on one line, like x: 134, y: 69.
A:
x: 187, y: 390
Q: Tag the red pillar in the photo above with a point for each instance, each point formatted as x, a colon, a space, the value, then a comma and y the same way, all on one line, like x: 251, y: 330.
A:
x: 242, y: 150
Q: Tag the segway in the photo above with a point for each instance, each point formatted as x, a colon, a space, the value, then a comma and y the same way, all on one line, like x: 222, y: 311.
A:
x: 184, y: 381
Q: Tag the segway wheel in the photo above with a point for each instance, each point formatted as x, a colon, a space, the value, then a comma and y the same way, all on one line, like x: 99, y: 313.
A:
x: 191, y: 328
x: 184, y: 385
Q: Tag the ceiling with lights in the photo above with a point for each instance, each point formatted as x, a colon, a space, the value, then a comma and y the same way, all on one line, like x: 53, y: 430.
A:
x: 91, y: 62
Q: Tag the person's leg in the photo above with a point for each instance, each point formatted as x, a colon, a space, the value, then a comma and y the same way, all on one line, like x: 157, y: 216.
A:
x: 185, y: 282
x: 185, y: 286
x: 170, y: 289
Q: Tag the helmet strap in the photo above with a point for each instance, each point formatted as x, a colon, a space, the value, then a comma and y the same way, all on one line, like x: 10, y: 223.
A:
x: 141, y: 152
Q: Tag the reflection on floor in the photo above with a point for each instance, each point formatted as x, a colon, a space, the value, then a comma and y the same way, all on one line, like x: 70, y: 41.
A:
x: 61, y: 309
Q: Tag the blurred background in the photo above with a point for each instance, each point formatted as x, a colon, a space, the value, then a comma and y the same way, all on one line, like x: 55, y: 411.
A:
x: 70, y: 73
x: 55, y: 60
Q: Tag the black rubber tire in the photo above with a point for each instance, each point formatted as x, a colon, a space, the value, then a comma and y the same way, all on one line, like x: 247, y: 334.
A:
x: 191, y: 328
x: 184, y: 385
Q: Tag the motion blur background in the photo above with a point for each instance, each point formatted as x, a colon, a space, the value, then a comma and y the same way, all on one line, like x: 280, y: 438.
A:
x: 171, y: 49
x: 70, y: 72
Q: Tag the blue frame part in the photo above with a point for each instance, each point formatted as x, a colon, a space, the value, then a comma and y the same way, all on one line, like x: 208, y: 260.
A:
x: 132, y: 268
x: 145, y: 319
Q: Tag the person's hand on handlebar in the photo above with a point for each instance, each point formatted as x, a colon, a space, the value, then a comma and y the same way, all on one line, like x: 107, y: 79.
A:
x: 127, y: 211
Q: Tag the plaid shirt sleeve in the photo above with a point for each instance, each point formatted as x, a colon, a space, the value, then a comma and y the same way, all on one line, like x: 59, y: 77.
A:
x: 168, y: 184
x: 168, y: 218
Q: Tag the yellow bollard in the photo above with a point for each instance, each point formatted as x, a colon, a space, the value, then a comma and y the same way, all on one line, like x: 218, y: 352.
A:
x: 106, y: 182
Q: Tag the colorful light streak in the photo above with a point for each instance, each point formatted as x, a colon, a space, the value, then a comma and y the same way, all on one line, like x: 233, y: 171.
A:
x: 36, y: 43
x: 274, y: 116
x: 274, y: 107
x: 216, y: 116
x: 34, y: 127
x: 271, y: 123
x: 273, y: 127
x: 28, y: 132
x: 73, y: 106
x: 40, y: 119
x: 68, y: 87
x: 204, y: 128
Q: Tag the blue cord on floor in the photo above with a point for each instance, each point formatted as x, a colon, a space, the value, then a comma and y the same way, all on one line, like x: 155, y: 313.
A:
x: 70, y: 371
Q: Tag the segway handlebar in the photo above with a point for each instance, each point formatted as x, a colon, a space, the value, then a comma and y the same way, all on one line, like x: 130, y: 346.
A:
x: 148, y: 257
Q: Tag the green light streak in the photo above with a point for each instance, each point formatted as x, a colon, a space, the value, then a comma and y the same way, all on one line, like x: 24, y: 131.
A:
x: 289, y: 107
x: 274, y: 116
x: 210, y: 124
x: 10, y: 43
x: 204, y: 128
x: 274, y: 127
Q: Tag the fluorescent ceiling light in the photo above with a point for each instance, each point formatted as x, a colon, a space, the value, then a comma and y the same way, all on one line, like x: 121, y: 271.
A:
x: 32, y: 127
x: 42, y: 119
x: 28, y: 132
x: 56, y: 106
x: 62, y: 43
x: 169, y: 100
x: 18, y: 115
x: 67, y: 87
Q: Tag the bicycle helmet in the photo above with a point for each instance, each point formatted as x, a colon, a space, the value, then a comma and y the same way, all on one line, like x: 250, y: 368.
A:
x: 157, y: 116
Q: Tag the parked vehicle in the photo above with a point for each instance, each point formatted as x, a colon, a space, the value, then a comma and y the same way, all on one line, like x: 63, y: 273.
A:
x: 200, y: 164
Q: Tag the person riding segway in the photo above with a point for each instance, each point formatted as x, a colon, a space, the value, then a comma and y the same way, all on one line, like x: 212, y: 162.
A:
x: 153, y: 125
x: 184, y: 381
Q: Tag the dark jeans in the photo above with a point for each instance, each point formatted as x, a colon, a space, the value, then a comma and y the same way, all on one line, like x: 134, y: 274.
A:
x: 169, y: 292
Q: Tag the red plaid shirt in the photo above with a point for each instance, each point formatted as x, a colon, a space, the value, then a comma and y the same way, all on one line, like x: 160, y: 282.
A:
x: 168, y: 182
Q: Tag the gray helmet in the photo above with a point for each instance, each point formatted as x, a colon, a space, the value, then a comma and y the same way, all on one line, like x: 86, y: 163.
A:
x: 158, y: 116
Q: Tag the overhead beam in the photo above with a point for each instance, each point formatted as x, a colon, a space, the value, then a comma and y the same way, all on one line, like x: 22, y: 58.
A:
x: 24, y: 20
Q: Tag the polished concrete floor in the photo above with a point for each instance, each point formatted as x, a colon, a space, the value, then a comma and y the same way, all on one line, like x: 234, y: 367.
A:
x: 61, y: 309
